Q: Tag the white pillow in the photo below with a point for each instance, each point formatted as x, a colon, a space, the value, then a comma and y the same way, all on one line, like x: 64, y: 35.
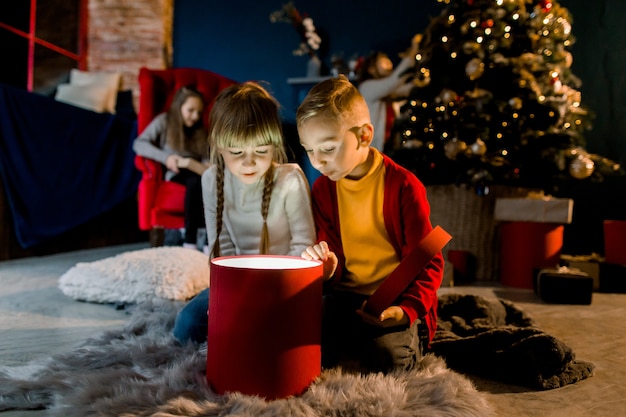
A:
x: 88, y: 97
x: 172, y: 273
x: 109, y: 80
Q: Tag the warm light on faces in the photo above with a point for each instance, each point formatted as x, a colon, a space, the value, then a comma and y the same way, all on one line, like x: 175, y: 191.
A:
x: 248, y: 164
x: 191, y: 110
x: 333, y: 149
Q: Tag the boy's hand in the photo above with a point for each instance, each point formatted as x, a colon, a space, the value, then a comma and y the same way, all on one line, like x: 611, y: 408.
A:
x: 321, y: 252
x: 392, y: 316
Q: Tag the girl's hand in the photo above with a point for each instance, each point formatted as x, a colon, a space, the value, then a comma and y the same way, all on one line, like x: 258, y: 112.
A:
x: 392, y: 316
x: 322, y: 253
x: 172, y: 163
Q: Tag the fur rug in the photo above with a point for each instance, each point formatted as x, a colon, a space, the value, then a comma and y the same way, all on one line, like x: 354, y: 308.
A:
x: 140, y: 371
x: 497, y: 340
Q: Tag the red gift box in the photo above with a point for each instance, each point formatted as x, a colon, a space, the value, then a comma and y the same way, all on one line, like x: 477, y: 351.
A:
x: 615, y: 241
x: 264, y: 325
x: 526, y: 246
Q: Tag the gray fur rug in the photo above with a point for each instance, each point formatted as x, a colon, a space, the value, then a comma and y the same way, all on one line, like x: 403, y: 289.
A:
x: 140, y: 371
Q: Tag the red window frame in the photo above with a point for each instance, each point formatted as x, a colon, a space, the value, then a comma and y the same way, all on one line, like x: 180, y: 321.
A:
x: 80, y: 57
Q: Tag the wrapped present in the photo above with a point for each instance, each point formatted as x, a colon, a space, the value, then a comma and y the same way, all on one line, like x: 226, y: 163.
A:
x: 564, y: 285
x: 607, y: 277
x: 586, y: 263
x: 535, y: 208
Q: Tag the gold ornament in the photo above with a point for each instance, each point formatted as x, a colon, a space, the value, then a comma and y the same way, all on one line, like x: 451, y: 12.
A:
x: 581, y: 167
x: 479, y: 147
x: 515, y: 103
x: 447, y: 95
x: 474, y: 68
x: 454, y: 147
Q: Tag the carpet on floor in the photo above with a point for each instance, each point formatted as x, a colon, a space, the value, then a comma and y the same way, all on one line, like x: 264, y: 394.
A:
x: 141, y: 371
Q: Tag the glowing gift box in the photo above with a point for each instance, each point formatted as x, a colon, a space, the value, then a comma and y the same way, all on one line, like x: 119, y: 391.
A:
x: 264, y: 325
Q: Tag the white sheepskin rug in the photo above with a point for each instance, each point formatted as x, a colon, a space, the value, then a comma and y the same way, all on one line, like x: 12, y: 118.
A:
x: 172, y: 273
x: 141, y: 371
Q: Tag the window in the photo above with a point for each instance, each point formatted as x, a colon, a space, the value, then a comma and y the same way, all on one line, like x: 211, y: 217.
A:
x: 43, y: 40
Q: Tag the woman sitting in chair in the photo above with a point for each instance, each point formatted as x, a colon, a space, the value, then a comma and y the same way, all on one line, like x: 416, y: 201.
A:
x: 178, y: 140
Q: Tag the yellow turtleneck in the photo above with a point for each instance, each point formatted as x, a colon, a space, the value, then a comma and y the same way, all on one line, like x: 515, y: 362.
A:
x: 370, y: 257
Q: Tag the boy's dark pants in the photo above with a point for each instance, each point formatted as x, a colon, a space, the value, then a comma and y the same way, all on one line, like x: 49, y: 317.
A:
x: 350, y: 342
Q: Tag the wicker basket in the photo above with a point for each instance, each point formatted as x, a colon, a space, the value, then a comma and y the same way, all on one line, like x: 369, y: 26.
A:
x: 468, y: 217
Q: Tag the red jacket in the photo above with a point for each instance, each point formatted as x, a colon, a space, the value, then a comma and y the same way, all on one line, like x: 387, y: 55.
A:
x: 407, y: 220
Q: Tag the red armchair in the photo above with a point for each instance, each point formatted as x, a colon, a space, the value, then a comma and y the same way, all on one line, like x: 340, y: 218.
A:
x: 160, y: 202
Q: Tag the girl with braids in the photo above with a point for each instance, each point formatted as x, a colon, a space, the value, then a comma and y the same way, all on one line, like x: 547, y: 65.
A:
x: 174, y: 138
x: 254, y: 202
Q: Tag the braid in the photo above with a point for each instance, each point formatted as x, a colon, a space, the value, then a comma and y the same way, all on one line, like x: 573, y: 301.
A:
x: 265, y: 207
x: 219, y: 181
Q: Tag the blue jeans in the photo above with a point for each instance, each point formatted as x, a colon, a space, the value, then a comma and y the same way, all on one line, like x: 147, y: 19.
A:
x: 192, y: 321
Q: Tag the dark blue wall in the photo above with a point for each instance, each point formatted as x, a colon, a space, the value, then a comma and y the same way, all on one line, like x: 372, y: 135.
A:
x: 236, y: 38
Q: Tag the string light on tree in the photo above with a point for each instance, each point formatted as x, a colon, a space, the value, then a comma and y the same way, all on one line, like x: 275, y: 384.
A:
x: 495, y: 100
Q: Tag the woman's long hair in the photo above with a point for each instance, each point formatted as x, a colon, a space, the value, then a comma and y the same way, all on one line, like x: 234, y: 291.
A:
x: 245, y: 115
x: 183, y: 139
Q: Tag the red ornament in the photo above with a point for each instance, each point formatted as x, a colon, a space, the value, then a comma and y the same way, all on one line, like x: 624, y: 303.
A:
x: 546, y: 5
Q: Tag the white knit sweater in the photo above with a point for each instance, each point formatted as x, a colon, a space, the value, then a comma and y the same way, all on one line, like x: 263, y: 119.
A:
x: 289, y: 220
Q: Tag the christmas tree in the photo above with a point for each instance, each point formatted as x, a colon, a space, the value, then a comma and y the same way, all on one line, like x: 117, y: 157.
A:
x: 495, y: 100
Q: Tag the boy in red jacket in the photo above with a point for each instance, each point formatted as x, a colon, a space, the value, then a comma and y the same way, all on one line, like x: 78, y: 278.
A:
x: 369, y: 214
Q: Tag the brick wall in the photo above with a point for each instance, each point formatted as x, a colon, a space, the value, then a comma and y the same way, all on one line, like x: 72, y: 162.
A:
x: 124, y: 35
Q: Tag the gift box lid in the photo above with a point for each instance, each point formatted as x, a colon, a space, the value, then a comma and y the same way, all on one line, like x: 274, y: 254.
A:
x: 535, y: 208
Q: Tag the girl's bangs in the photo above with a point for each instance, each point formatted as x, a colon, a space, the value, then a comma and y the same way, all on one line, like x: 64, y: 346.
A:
x: 248, y: 139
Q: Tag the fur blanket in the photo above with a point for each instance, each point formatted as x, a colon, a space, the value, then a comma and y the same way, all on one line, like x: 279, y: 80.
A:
x: 141, y: 371
x: 497, y: 340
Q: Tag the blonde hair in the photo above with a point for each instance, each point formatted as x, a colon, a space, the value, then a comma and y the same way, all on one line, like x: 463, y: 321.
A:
x: 336, y: 100
x: 245, y: 115
x: 184, y: 139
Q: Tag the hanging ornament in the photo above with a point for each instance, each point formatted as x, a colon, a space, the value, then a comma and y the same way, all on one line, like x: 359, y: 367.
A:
x: 486, y: 23
x: 474, y: 68
x: 557, y: 85
x: 569, y: 59
x: 454, y: 147
x: 546, y: 5
x: 448, y: 95
x: 581, y: 167
x: 515, y: 103
x: 482, y: 190
x: 479, y: 147
x: 471, y: 47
